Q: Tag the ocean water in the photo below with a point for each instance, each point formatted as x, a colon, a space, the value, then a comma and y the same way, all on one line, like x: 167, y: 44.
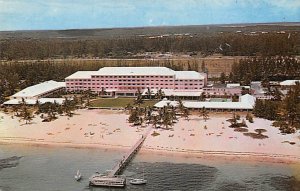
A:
x: 53, y: 168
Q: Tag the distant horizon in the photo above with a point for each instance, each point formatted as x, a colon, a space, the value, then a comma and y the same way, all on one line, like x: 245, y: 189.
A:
x: 16, y: 15
x: 133, y: 27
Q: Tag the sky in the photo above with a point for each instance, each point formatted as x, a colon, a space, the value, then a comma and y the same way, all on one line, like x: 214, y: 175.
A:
x: 76, y: 14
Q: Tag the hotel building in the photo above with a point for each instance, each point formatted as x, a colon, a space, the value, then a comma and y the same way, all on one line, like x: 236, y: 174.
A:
x: 125, y: 81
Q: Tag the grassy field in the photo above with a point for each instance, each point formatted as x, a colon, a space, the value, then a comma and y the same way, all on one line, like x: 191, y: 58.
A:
x: 118, y: 102
x: 215, y: 65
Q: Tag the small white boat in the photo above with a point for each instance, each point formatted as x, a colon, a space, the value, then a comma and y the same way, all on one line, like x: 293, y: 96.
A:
x: 78, y: 176
x: 138, y: 181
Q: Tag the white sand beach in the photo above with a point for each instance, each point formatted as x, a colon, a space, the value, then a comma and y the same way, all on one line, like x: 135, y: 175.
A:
x: 105, y: 128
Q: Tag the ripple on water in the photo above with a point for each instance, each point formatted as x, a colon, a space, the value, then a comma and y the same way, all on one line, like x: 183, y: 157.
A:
x: 4, y: 188
x: 9, y: 162
x: 170, y: 176
x: 230, y: 186
x: 285, y: 183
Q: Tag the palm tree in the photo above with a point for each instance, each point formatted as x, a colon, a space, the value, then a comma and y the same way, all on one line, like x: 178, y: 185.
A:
x: 66, y: 106
x: 37, y: 103
x: 183, y: 110
x: 154, y: 120
x: 133, y: 115
x: 75, y: 100
x: 26, y: 115
x: 249, y: 117
x: 180, y: 105
x: 24, y: 111
x: 160, y: 94
x: 23, y: 103
x: 166, y: 119
x: 233, y: 120
x: 202, y: 96
x: 81, y: 100
x: 204, y: 113
x: 87, y: 94
x: 128, y: 107
x: 186, y: 113
x: 277, y: 94
x: 15, y: 109
x: 103, y: 92
x: 139, y: 99
x: 148, y: 112
x: 173, y: 114
x: 149, y: 93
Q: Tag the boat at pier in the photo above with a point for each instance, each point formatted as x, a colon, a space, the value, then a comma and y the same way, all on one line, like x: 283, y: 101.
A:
x: 107, y: 181
x: 138, y: 181
x: 112, y: 178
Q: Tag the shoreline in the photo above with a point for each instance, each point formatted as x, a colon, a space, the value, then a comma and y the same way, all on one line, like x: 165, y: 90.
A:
x: 214, y: 155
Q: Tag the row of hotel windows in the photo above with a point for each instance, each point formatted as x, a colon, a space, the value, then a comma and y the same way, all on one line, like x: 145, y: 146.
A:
x: 88, y: 80
x: 132, y: 76
x: 133, y: 87
x: 131, y: 80
x: 129, y: 88
x: 162, y: 84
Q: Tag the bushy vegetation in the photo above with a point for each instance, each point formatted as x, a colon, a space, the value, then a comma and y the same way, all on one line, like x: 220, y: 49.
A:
x: 267, y: 109
x: 164, y: 117
x: 226, y: 44
x: 234, y: 121
x: 286, y: 113
x: 47, y: 111
x: 276, y: 68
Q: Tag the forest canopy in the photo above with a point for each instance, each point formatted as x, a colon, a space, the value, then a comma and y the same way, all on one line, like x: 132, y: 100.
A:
x: 227, y: 44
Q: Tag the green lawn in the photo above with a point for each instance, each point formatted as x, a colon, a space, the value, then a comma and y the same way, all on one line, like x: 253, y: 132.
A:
x: 149, y: 103
x: 118, y: 102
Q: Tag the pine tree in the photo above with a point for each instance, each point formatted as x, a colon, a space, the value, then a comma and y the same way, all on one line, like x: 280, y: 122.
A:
x: 258, y: 108
x: 222, y: 78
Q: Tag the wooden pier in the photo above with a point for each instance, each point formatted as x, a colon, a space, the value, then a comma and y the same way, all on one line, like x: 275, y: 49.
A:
x: 119, y: 167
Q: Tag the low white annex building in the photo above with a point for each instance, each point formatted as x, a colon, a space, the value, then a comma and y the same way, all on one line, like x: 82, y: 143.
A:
x: 59, y: 101
x: 38, y: 92
x: 289, y: 83
x: 245, y: 103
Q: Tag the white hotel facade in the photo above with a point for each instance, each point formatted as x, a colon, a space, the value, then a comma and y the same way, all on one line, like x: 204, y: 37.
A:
x: 125, y: 81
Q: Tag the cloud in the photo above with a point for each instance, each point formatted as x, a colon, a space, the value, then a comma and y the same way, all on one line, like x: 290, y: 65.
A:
x: 150, y: 21
x: 288, y: 4
x: 15, y: 6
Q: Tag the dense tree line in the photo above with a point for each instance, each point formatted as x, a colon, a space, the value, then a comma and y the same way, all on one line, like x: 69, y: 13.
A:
x: 226, y: 44
x: 276, y: 68
x: 286, y: 113
x: 267, y: 109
